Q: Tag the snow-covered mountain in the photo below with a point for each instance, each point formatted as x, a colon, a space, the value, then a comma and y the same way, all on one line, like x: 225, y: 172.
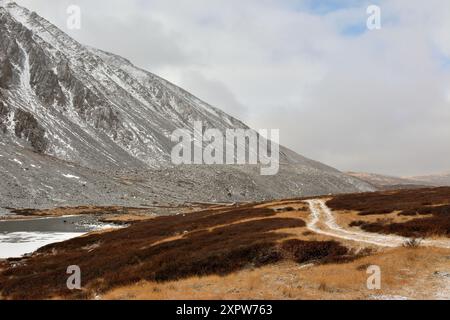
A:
x: 97, y: 110
x: 88, y: 106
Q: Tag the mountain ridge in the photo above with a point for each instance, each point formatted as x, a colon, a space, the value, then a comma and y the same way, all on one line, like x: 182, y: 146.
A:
x: 96, y: 109
x: 381, y: 181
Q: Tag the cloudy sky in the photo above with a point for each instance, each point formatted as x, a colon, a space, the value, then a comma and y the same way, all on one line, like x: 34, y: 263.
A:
x: 356, y: 99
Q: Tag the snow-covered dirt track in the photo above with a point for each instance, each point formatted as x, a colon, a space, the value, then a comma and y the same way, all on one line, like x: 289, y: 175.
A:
x: 322, y: 221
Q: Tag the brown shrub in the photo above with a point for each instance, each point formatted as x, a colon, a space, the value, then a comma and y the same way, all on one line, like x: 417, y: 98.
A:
x: 308, y: 251
x: 390, y: 201
x: 216, y: 242
x: 131, y: 254
x: 430, y: 201
x: 357, y: 223
x: 420, y: 227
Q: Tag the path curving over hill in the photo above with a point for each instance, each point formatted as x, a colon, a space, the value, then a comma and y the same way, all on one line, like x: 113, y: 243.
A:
x: 323, y: 221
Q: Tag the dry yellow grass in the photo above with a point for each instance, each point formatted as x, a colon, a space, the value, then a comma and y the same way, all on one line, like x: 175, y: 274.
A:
x: 409, y: 273
x: 412, y: 273
x: 126, y: 218
x: 344, y: 218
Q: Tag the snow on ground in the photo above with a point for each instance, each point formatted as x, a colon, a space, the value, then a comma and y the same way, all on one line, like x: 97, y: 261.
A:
x: 19, y: 237
x: 70, y: 176
x: 16, y: 244
x: 17, y: 161
x: 388, y: 297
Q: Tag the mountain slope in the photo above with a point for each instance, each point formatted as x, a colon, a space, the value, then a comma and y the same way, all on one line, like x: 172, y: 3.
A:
x: 32, y: 180
x: 98, y: 111
x: 391, y: 182
x: 385, y: 182
x: 79, y: 99
x: 434, y: 179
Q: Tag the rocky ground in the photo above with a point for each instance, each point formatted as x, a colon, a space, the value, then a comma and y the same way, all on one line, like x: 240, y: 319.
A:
x: 32, y: 180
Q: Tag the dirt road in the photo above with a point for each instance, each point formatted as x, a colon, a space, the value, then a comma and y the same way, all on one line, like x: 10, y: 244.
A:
x: 322, y: 221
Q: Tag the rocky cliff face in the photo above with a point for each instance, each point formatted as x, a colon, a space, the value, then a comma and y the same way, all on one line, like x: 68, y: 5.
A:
x: 88, y: 104
x: 96, y: 109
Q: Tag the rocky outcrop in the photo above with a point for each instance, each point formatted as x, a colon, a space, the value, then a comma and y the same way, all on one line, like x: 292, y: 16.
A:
x: 27, y: 127
x: 3, y: 117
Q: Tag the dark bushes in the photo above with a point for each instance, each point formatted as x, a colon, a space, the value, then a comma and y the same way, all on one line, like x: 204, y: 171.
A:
x: 387, y: 202
x: 443, y: 210
x: 431, y: 201
x: 163, y: 249
x: 421, y: 227
x: 308, y: 251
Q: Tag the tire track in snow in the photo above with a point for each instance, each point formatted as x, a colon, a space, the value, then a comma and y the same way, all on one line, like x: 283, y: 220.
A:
x: 323, y: 222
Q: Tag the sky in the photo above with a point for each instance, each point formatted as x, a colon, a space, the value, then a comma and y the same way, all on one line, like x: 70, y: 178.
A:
x: 353, y: 98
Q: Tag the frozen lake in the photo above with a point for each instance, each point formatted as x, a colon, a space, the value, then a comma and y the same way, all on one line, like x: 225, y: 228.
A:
x: 19, y: 237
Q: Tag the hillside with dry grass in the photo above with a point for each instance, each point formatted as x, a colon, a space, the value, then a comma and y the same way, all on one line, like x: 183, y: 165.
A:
x: 425, y: 212
x: 272, y: 250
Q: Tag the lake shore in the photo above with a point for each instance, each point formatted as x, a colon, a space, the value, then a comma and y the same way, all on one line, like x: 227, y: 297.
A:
x: 19, y: 237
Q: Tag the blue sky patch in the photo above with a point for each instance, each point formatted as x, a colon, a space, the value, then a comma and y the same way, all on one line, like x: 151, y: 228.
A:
x: 322, y: 7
